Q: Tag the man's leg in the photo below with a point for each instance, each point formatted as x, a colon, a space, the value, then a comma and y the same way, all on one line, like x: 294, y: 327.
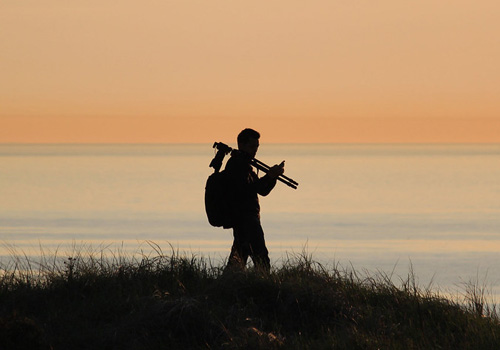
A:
x: 259, y: 252
x: 249, y: 241
x: 240, y: 249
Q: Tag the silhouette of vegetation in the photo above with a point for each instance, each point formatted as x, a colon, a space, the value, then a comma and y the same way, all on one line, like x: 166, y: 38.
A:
x: 92, y: 300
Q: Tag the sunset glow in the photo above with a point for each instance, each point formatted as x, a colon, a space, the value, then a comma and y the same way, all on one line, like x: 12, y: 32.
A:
x: 299, y: 72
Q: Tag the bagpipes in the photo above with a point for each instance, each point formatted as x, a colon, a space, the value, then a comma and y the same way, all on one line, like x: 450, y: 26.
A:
x: 223, y: 150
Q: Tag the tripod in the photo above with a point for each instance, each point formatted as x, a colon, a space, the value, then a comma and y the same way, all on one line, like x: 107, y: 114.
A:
x: 223, y: 149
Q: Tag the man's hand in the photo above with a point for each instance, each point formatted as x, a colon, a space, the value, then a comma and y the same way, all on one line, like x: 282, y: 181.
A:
x: 276, y: 170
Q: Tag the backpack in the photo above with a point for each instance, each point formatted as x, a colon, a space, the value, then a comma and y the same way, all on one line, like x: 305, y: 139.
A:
x: 218, y: 200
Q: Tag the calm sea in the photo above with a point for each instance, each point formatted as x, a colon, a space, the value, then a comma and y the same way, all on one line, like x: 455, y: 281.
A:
x: 375, y: 207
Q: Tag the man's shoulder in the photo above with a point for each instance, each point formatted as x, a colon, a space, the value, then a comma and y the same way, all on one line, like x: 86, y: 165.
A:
x: 238, y: 161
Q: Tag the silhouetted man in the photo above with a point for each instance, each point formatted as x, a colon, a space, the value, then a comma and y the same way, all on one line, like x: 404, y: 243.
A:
x: 246, y: 186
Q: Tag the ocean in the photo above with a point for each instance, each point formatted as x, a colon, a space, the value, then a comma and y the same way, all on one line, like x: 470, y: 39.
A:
x: 430, y: 209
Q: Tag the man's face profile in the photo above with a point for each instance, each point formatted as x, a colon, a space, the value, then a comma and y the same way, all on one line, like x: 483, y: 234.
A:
x: 250, y: 147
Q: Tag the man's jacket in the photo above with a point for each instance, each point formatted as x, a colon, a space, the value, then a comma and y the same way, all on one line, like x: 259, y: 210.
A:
x: 245, y: 186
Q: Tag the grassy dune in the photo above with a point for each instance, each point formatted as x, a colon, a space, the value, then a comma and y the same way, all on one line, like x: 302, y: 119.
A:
x: 157, y: 301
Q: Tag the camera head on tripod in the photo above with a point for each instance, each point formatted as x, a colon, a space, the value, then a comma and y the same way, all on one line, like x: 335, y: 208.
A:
x: 222, y: 147
x: 222, y: 151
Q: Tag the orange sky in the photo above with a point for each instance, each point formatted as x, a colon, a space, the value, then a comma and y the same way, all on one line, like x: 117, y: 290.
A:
x: 200, y: 71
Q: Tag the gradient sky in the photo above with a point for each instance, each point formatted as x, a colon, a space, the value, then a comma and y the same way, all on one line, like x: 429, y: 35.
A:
x: 200, y: 71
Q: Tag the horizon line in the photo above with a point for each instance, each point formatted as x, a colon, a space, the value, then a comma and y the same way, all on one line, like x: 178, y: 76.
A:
x: 204, y: 143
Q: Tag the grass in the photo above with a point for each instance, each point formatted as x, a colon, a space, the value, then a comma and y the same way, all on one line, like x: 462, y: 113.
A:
x: 97, y: 300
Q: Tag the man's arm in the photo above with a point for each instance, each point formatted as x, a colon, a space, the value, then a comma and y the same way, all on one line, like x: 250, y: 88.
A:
x: 243, y: 176
x: 265, y: 184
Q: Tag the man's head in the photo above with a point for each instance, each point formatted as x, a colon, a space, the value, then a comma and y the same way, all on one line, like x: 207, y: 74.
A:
x: 248, y: 142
